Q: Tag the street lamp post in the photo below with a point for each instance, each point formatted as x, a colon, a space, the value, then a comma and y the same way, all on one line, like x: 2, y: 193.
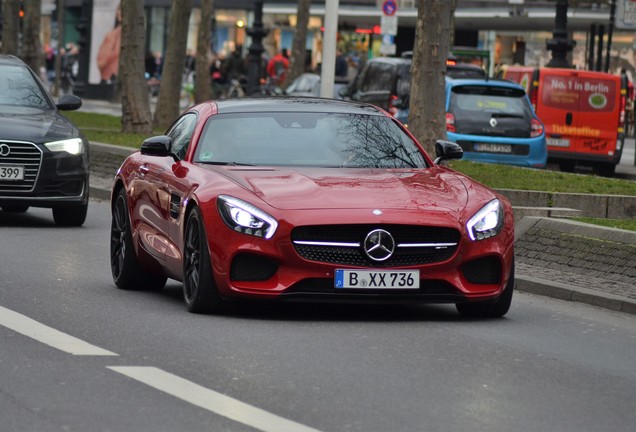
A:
x: 257, y: 32
x: 83, y: 27
x: 560, y: 45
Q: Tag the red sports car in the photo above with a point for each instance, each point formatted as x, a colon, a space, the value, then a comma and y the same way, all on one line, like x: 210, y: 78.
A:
x: 307, y: 199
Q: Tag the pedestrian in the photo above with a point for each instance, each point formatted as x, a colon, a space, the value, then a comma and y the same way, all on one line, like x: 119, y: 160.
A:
x: 277, y: 67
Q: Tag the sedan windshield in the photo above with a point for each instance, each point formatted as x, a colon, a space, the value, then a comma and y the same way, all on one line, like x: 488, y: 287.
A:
x: 19, y: 88
x: 307, y: 139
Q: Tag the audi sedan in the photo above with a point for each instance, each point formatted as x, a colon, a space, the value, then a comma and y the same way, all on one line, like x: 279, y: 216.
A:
x: 43, y: 157
x: 307, y: 199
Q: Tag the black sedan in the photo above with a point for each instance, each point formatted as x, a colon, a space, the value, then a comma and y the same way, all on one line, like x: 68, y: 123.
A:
x: 43, y: 156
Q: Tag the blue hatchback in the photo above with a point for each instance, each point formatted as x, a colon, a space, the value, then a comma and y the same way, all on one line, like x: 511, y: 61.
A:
x: 493, y: 121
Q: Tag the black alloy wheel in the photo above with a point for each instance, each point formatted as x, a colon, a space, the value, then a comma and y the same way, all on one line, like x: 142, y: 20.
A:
x: 14, y: 208
x: 199, y: 290
x: 127, y: 272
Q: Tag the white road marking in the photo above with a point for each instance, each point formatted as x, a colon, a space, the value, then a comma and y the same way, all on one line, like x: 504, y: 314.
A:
x: 210, y: 400
x: 49, y: 336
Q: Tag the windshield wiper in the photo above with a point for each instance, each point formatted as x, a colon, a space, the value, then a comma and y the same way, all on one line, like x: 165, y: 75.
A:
x: 506, y: 115
x: 226, y: 163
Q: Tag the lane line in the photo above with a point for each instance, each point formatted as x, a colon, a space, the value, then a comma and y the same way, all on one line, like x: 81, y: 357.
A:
x: 49, y: 336
x: 211, y: 400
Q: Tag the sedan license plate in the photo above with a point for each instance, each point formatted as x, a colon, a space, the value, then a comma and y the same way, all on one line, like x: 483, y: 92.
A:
x: 11, y: 172
x: 493, y: 148
x: 558, y: 142
x: 377, y: 279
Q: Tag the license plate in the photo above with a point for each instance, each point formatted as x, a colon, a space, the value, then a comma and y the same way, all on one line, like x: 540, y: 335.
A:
x: 558, y: 142
x: 11, y: 172
x: 377, y: 279
x: 493, y: 148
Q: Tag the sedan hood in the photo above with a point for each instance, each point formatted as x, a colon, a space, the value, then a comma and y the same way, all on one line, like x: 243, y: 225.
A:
x: 324, y: 188
x: 34, y: 125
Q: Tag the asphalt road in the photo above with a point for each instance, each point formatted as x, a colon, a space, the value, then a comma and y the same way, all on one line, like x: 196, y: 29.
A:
x: 77, y: 354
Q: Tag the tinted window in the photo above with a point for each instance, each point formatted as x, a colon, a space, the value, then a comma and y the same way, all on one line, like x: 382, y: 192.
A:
x: 379, y: 77
x: 475, y: 100
x: 308, y: 139
x: 19, y: 87
x: 181, y: 132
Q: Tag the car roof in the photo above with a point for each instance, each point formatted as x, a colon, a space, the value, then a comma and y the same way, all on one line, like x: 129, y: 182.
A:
x: 294, y: 104
x: 11, y: 60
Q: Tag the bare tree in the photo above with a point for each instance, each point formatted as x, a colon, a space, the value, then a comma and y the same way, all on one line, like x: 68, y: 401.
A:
x: 135, y: 103
x: 171, y: 78
x: 11, y: 27
x: 299, y: 52
x: 32, y: 50
x: 432, y: 43
x: 202, y: 81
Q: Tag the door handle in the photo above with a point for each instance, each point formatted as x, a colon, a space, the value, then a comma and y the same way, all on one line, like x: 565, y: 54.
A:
x: 144, y: 169
x: 568, y: 119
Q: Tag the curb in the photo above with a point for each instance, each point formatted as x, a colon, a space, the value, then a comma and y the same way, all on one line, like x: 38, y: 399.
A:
x: 562, y: 291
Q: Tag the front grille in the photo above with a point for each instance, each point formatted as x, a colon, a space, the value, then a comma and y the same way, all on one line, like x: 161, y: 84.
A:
x: 483, y: 271
x: 404, y: 235
x: 437, y: 291
x: 23, y: 154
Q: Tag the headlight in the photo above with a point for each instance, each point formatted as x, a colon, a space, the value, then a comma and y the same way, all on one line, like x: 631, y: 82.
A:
x: 487, y: 222
x: 73, y: 146
x: 245, y: 218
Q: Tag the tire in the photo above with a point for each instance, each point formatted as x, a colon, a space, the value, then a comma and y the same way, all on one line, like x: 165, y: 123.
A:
x: 124, y: 265
x: 70, y: 216
x: 14, y: 208
x: 199, y: 290
x: 492, y: 308
x: 567, y: 166
x: 605, y: 169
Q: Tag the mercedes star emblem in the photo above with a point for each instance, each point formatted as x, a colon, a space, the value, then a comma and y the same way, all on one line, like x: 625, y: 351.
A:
x: 379, y: 245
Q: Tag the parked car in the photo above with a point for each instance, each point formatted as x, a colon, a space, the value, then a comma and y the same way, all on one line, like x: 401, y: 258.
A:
x: 308, y: 84
x: 43, y: 156
x: 386, y: 82
x: 584, y: 113
x: 493, y: 121
x: 307, y: 199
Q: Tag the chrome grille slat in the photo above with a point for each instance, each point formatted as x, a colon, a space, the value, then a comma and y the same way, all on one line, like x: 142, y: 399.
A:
x: 25, y: 154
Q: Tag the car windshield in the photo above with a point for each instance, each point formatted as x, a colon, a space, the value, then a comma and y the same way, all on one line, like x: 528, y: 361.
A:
x: 308, y: 139
x: 492, y: 101
x: 19, y: 88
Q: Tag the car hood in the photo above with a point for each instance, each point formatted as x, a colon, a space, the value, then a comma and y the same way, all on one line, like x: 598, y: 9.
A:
x: 34, y: 125
x: 325, y: 188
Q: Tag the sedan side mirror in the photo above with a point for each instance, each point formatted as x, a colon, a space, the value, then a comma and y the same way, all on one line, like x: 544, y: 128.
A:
x: 68, y: 102
x: 157, y: 146
x: 446, y: 150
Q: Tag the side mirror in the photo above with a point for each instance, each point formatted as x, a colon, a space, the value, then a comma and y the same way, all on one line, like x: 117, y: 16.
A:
x: 446, y: 150
x: 157, y: 146
x: 68, y: 102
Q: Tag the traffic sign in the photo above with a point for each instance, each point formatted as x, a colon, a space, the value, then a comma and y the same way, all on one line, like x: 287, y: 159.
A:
x: 626, y: 14
x: 388, y: 24
x: 389, y: 7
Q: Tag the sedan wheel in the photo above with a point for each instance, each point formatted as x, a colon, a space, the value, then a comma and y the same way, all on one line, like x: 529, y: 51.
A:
x: 126, y: 270
x: 14, y: 208
x: 199, y: 290
x: 72, y: 216
x: 493, y: 308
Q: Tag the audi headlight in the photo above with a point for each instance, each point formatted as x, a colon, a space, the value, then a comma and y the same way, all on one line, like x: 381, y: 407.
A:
x: 246, y: 218
x: 74, y: 146
x: 487, y: 222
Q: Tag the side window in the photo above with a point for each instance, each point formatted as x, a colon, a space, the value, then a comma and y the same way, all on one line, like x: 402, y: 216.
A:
x: 181, y: 132
x: 379, y: 77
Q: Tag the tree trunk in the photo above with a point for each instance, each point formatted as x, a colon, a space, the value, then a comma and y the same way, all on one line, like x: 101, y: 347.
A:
x: 172, y: 76
x: 32, y: 53
x: 427, y: 116
x: 11, y: 27
x: 299, y: 51
x: 202, y: 80
x: 135, y: 103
